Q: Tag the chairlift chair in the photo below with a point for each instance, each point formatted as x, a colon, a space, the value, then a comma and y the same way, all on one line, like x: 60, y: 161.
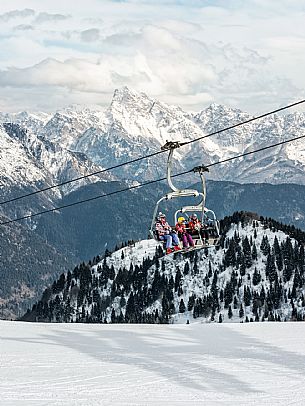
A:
x: 207, y: 217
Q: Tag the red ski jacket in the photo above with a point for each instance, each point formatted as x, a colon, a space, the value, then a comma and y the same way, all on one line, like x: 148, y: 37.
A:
x: 180, y: 228
x: 195, y: 225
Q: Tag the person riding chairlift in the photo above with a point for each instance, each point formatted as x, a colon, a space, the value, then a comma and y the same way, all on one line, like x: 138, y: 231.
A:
x: 183, y: 234
x: 166, y: 234
x: 196, y: 226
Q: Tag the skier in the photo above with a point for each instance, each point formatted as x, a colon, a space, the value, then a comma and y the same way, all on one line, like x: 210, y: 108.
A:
x: 165, y: 233
x: 196, y: 226
x: 187, y: 239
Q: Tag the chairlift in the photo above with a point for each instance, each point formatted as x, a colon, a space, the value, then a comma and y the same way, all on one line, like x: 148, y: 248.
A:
x: 207, y: 217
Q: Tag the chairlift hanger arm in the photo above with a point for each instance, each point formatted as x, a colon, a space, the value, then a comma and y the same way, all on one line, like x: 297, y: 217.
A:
x: 200, y: 169
x: 172, y: 145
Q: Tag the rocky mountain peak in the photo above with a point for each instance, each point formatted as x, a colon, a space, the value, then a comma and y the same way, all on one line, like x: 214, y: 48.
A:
x: 135, y: 124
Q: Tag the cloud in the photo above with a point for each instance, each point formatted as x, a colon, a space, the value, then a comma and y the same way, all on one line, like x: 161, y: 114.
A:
x: 47, y: 17
x: 155, y: 60
x: 91, y: 35
x: 155, y: 68
x: 246, y: 54
x: 188, y: 3
x: 23, y: 27
x: 27, y: 12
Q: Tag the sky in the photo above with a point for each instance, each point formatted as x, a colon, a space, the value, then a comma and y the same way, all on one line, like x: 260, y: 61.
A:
x: 248, y: 54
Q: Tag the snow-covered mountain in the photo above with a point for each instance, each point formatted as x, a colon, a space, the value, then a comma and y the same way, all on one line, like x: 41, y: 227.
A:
x: 256, y: 274
x: 135, y: 125
x: 31, y: 161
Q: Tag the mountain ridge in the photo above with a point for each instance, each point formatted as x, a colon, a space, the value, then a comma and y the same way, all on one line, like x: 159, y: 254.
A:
x: 135, y: 124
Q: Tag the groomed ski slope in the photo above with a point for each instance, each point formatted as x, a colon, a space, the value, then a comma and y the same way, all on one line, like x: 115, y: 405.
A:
x: 196, y: 364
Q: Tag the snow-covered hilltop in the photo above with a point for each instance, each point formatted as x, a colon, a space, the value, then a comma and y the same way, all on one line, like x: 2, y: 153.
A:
x: 256, y: 274
x: 135, y: 124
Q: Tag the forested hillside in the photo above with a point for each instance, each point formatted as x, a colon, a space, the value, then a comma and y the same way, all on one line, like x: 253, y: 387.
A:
x: 256, y: 274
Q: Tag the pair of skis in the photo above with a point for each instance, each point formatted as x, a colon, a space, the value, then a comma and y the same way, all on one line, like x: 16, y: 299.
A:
x: 213, y: 242
x: 184, y: 250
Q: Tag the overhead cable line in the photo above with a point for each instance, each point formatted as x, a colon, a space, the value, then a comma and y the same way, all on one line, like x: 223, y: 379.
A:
x: 148, y: 182
x: 152, y: 154
x: 255, y: 151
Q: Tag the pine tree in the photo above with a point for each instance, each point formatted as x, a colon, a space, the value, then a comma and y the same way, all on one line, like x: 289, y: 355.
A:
x: 214, y: 292
x: 190, y: 303
x: 301, y: 258
x: 265, y: 246
x: 287, y: 272
x: 241, y: 312
x: 177, y: 279
x: 230, y: 313
x: 165, y: 306
x: 195, y: 266
x: 235, y: 303
x: 247, y: 252
x: 247, y: 296
x: 113, y: 317
x: 130, y: 309
x: 210, y: 273
x: 254, y: 252
x: 221, y: 295
x: 242, y: 268
x: 228, y: 294
x: 256, y: 277
x: 186, y: 268
x: 181, y: 306
x: 270, y: 268
x: 276, y: 247
x: 230, y: 256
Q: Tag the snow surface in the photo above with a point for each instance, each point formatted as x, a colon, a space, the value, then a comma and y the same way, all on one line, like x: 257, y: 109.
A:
x: 196, y: 364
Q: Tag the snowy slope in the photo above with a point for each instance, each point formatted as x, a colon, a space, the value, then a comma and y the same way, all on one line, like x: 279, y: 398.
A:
x: 15, y: 165
x: 259, y: 364
x: 28, y: 159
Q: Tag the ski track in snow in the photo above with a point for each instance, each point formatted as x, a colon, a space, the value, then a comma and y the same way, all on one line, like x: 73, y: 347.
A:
x: 210, y: 364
